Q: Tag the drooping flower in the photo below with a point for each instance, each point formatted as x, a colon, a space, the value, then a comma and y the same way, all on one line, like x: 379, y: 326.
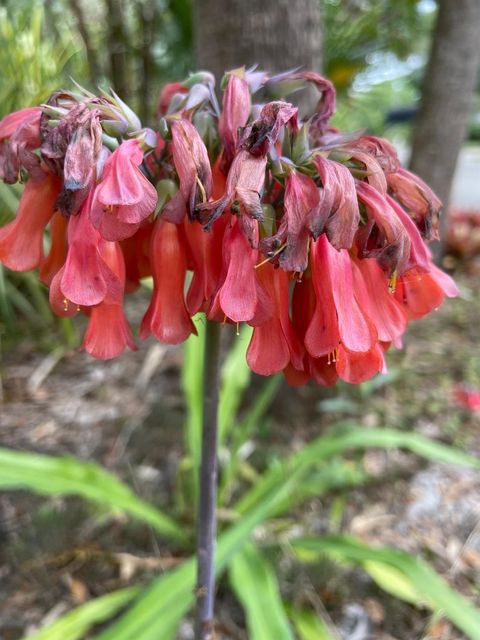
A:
x: 274, y: 343
x: 85, y: 279
x: 21, y: 241
x: 167, y: 317
x: 191, y: 161
x: 124, y: 197
x: 108, y: 332
x: 19, y: 136
x: 383, y: 236
x: 310, y: 235
x: 235, y: 114
x: 242, y: 194
x: 418, y: 199
x: 237, y: 295
x: 301, y: 202
x: 337, y: 318
x: 338, y: 211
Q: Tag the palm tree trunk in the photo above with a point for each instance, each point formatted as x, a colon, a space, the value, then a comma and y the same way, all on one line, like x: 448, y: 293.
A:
x: 448, y: 87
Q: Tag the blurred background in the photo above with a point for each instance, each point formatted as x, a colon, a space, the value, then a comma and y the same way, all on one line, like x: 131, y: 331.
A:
x: 408, y: 71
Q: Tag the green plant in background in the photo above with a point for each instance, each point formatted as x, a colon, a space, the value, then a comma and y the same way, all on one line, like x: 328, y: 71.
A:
x: 251, y: 497
x: 31, y: 65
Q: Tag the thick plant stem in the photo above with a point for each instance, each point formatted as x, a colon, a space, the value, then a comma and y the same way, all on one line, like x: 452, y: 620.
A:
x: 206, y: 521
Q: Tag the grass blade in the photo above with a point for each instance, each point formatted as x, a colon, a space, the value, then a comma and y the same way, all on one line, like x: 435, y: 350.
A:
x: 168, y: 599
x: 235, y: 378
x: 327, y: 446
x: 192, y: 384
x: 256, y: 587
x: 309, y: 626
x: 51, y: 475
x: 75, y: 624
x: 417, y: 574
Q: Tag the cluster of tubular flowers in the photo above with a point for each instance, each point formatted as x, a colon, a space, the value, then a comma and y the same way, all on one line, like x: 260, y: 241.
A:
x: 241, y: 211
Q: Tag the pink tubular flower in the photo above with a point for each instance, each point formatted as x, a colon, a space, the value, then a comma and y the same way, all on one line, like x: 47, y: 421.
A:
x: 58, y: 249
x: 274, y: 343
x: 18, y: 119
x: 420, y: 293
x: 167, y: 317
x: 235, y: 114
x: 242, y: 192
x: 377, y: 302
x: 194, y: 172
x: 418, y: 199
x: 338, y: 211
x: 85, y: 279
x: 383, y: 237
x: 313, y: 236
x: 337, y: 317
x: 21, y: 241
x: 124, y: 197
x: 19, y: 136
x: 108, y: 332
x: 258, y: 137
x: 301, y: 202
x: 237, y: 295
x: 205, y: 251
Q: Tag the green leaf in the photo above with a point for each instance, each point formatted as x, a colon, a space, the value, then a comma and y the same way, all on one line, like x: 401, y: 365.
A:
x: 417, y: 574
x: 76, y: 623
x: 325, y: 447
x: 393, y: 581
x: 309, y: 626
x: 242, y: 432
x: 256, y: 586
x: 192, y: 384
x: 157, y: 611
x: 234, y: 380
x: 51, y: 475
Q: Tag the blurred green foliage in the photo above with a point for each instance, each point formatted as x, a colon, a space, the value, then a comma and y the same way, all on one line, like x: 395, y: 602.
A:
x: 260, y: 493
x: 32, y: 63
x: 356, y: 31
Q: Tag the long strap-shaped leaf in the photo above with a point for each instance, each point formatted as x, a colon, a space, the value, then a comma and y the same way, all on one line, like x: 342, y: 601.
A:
x: 51, y: 475
x: 75, y: 624
x: 167, y: 600
x: 171, y: 596
x: 255, y: 585
x: 323, y: 448
x: 432, y: 590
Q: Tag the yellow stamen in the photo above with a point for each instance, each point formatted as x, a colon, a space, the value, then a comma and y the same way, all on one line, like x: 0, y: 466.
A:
x: 332, y: 356
x: 202, y: 189
x: 274, y: 254
x: 238, y: 328
x: 392, y: 282
x: 65, y: 304
x: 224, y: 319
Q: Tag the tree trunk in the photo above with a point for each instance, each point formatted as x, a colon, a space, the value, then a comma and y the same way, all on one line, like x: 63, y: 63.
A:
x: 448, y: 86
x: 92, y: 58
x: 146, y: 22
x: 118, y: 47
x: 276, y: 34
